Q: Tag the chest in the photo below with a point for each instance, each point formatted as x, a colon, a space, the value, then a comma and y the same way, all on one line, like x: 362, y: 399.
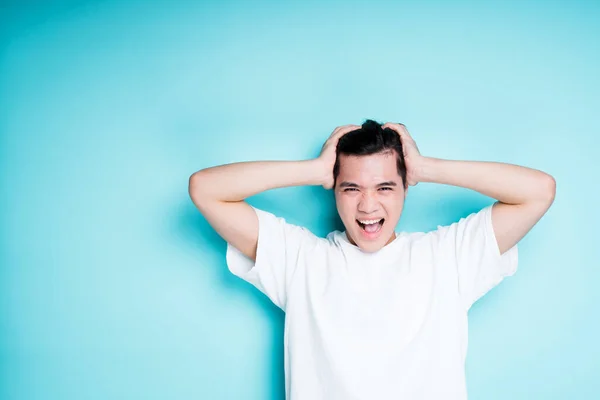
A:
x: 368, y: 306
x: 370, y: 326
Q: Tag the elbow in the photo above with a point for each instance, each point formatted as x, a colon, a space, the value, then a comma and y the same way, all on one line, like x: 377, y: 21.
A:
x: 551, y: 187
x: 549, y: 191
x: 194, y: 186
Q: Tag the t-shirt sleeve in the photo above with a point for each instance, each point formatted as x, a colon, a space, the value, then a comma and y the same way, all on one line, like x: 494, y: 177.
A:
x: 282, y: 248
x: 474, y: 253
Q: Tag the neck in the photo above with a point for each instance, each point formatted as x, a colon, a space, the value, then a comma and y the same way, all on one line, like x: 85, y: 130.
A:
x: 390, y: 240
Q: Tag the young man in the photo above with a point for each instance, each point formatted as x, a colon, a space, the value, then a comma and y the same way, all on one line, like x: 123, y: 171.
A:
x: 372, y: 313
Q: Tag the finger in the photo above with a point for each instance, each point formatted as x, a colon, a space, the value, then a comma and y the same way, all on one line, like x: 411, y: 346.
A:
x: 349, y: 128
x: 343, y: 130
x: 394, y: 125
x: 340, y: 129
x: 335, y: 131
x: 400, y: 129
x: 405, y: 132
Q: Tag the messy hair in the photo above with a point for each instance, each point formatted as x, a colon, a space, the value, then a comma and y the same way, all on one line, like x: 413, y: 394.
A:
x: 369, y: 139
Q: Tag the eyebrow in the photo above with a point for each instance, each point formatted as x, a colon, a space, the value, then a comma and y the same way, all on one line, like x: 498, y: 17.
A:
x: 351, y: 184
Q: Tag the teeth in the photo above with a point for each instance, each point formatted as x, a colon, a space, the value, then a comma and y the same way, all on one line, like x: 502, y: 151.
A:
x: 369, y: 221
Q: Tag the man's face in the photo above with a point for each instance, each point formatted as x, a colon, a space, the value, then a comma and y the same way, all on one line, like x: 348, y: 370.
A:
x: 369, y: 188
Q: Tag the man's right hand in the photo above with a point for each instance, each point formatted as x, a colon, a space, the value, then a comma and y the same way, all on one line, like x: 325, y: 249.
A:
x: 328, y: 152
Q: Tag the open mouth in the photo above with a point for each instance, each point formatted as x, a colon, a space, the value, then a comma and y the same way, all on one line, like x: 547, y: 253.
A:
x: 371, y: 228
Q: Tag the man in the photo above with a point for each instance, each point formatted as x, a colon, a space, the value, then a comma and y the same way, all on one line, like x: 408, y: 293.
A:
x: 372, y: 313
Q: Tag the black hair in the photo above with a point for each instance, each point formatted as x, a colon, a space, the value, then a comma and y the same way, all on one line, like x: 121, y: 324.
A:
x: 369, y: 139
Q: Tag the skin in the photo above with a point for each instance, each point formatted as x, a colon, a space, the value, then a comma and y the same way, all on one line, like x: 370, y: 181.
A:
x: 523, y: 194
x: 367, y: 200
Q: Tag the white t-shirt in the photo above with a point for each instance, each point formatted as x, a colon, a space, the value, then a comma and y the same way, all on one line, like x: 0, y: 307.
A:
x: 385, y: 325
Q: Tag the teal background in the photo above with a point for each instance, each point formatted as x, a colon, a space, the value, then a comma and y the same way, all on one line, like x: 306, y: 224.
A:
x: 113, y: 286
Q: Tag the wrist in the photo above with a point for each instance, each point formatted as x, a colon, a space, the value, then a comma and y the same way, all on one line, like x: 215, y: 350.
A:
x: 318, y: 171
x: 425, y: 169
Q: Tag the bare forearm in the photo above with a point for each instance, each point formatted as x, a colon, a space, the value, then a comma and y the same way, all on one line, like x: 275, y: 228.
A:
x: 508, y: 183
x: 238, y: 181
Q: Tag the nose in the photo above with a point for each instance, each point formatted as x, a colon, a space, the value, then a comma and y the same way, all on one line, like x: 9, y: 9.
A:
x: 368, y: 203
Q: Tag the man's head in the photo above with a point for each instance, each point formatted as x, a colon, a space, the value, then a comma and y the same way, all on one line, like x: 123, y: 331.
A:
x: 370, y: 184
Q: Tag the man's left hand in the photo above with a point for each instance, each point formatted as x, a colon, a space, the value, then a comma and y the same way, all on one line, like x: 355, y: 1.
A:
x: 412, y: 156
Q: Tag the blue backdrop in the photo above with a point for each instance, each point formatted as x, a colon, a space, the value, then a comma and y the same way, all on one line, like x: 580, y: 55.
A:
x: 112, y: 284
